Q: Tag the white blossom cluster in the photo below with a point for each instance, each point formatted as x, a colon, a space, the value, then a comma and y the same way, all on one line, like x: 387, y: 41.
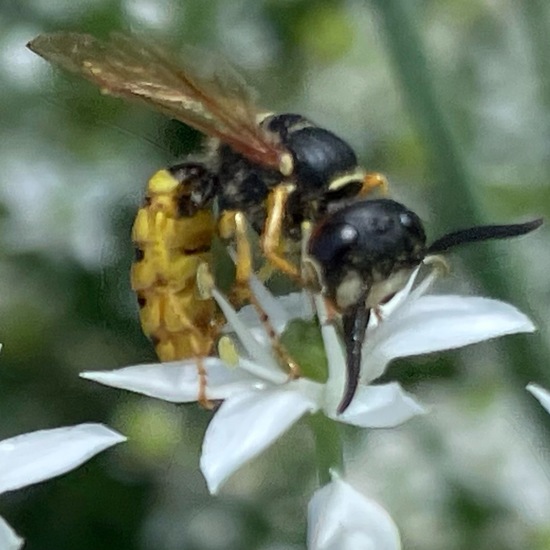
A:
x: 260, y: 402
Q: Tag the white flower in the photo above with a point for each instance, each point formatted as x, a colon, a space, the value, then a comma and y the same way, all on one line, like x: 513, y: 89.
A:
x: 9, y: 540
x: 30, y: 458
x: 541, y: 394
x: 261, y: 403
x: 341, y: 518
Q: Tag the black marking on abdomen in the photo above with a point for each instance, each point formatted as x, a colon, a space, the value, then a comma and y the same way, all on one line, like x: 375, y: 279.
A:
x: 138, y: 254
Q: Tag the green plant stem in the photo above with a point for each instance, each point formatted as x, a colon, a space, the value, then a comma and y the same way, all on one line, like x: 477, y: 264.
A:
x: 411, y: 67
x: 328, y: 447
x: 455, y: 202
x: 536, y: 16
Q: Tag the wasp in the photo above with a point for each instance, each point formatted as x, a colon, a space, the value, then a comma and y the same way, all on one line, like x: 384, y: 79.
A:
x: 276, y: 173
x: 364, y: 253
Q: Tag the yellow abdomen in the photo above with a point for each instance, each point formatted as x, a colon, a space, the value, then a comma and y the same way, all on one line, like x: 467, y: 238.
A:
x: 170, y: 249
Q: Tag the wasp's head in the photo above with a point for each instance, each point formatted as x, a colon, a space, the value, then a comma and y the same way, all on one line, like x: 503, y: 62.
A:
x: 366, y: 251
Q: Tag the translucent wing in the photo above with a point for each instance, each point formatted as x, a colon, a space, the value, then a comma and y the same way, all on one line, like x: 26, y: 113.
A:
x: 209, y: 97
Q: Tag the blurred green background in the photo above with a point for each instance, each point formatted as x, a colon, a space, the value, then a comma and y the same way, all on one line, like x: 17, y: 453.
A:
x: 451, y: 99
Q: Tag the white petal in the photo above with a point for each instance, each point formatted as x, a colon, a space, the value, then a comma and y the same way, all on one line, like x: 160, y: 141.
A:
x: 350, y: 540
x: 383, y: 406
x: 248, y: 315
x: 244, y: 426
x: 272, y: 306
x: 178, y: 381
x: 541, y: 394
x: 278, y: 316
x: 336, y: 358
x: 437, y: 269
x: 256, y: 349
x: 399, y: 299
x: 436, y: 323
x: 8, y: 538
x: 312, y: 391
x: 298, y: 305
x: 339, y: 517
x: 263, y: 373
x: 249, y: 318
x: 34, y: 457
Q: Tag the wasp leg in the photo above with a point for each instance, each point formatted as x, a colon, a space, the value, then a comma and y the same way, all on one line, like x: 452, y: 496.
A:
x: 243, y: 266
x: 332, y: 312
x: 280, y: 351
x: 204, y: 284
x: 234, y: 224
x: 374, y: 180
x: 265, y: 272
x: 201, y: 347
x: 271, y: 239
x: 202, y: 399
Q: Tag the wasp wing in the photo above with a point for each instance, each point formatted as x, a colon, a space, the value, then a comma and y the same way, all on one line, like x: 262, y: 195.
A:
x: 209, y: 97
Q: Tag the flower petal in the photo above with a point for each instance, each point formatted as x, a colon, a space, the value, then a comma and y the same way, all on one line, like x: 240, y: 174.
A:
x: 248, y: 315
x: 399, y: 299
x: 541, y: 394
x: 245, y: 425
x: 254, y: 347
x: 436, y: 323
x: 298, y: 305
x: 262, y: 373
x: 34, y: 457
x: 9, y: 540
x: 177, y: 381
x: 281, y: 310
x: 339, y: 517
x: 278, y: 316
x: 350, y: 540
x: 383, y: 406
x: 336, y: 358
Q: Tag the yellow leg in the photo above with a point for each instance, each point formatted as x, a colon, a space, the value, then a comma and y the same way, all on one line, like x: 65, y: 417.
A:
x: 202, y: 348
x: 234, y: 224
x: 203, y: 378
x: 244, y: 253
x: 271, y: 239
x: 373, y: 180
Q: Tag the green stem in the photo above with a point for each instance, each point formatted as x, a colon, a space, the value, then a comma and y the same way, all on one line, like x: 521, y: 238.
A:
x: 536, y: 16
x: 412, y: 68
x: 328, y: 447
x: 456, y: 202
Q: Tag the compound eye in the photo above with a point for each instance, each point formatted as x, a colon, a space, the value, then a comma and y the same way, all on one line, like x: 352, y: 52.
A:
x: 330, y: 242
x: 412, y: 224
x: 406, y: 219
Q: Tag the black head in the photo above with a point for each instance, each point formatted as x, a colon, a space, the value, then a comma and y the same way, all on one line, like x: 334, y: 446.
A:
x: 367, y: 249
x: 365, y: 253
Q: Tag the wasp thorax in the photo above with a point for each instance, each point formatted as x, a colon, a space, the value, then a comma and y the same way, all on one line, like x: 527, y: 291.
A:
x: 366, y: 251
x: 321, y: 160
x: 196, y: 186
